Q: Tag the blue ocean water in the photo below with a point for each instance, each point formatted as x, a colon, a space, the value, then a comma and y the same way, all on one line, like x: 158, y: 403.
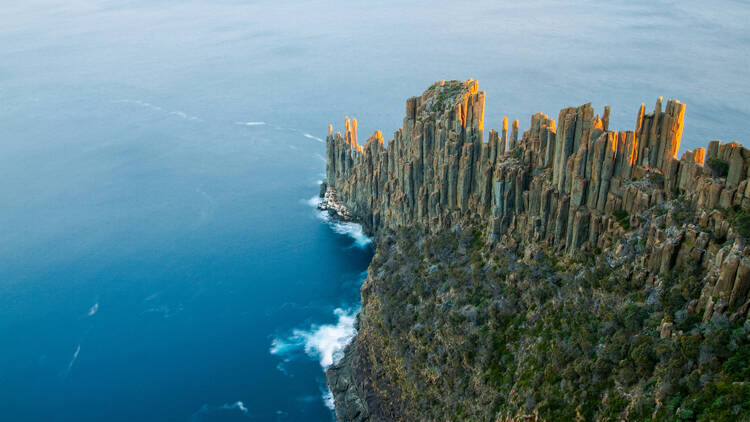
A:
x: 160, y: 254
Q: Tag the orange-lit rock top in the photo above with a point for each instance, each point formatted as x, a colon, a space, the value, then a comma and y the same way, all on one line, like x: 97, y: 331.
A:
x: 561, y: 179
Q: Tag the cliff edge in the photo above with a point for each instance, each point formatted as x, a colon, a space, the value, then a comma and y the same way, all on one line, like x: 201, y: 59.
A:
x: 554, y: 273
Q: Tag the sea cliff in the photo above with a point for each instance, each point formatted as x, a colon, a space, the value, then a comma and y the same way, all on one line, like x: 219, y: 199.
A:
x: 569, y: 271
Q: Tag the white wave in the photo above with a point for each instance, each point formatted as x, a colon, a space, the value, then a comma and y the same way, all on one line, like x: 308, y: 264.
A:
x: 148, y: 105
x: 347, y: 228
x: 325, y: 342
x: 227, y: 407
x: 183, y: 115
x: 75, y: 356
x: 313, y: 202
x: 236, y: 405
x: 307, y: 135
x: 354, y: 231
x: 251, y: 123
x: 281, y: 347
x: 93, y: 309
x: 141, y: 103
x: 328, y: 399
x: 65, y: 373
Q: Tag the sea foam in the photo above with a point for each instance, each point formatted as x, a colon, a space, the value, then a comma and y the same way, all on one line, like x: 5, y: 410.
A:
x: 313, y: 202
x: 346, y: 228
x: 354, y: 231
x: 65, y: 372
x: 324, y: 343
x: 207, y: 410
x: 150, y: 106
x: 328, y: 399
x: 307, y: 135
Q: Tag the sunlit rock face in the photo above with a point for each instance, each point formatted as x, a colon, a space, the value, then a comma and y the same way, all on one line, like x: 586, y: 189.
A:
x: 559, y: 184
x: 571, y: 186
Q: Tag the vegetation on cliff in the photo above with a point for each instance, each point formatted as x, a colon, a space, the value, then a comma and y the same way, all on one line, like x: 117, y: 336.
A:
x: 460, y: 330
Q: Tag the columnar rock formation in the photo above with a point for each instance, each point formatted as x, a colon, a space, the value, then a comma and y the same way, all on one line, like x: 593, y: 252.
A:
x: 571, y: 185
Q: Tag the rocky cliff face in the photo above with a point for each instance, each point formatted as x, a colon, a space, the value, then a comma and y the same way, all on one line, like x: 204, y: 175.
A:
x: 563, y: 189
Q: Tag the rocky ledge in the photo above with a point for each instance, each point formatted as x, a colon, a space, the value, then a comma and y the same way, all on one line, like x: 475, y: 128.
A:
x: 568, y: 272
x: 330, y: 202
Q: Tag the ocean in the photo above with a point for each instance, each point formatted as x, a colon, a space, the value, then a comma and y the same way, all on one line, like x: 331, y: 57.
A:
x: 161, y: 256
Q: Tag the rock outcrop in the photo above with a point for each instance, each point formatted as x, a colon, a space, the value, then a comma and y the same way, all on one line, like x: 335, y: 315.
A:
x: 572, y: 186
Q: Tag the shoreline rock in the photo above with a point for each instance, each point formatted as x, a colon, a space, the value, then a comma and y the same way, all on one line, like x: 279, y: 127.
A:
x: 331, y: 203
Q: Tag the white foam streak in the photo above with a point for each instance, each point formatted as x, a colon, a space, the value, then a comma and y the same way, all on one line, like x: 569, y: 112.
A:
x: 93, y: 309
x: 75, y: 357
x: 227, y: 407
x: 251, y: 123
x: 150, y: 106
x: 236, y: 405
x: 65, y: 373
x: 307, y: 135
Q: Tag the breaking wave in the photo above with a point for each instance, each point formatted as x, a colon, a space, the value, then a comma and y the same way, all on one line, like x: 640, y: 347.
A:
x: 324, y: 343
x: 251, y: 123
x: 354, y: 231
x: 94, y: 309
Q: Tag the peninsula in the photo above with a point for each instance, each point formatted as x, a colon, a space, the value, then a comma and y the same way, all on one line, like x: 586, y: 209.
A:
x: 566, y: 272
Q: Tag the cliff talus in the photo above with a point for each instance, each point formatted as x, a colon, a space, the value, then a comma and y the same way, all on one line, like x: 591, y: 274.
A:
x: 568, y: 202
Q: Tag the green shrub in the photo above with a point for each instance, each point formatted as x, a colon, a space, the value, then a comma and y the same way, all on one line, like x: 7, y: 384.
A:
x: 623, y: 218
x: 742, y: 223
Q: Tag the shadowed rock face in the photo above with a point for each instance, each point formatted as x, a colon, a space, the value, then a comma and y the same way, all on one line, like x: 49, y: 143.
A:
x: 572, y: 186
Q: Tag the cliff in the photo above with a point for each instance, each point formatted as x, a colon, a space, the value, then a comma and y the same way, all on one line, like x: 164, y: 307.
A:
x: 573, y: 200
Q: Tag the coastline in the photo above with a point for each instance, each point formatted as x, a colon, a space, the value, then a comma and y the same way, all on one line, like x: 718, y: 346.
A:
x: 346, y: 377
